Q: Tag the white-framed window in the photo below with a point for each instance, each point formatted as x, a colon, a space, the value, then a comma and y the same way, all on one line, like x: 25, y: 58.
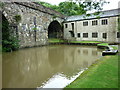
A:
x: 94, y: 35
x: 105, y: 35
x: 104, y: 22
x: 85, y: 35
x: 95, y: 22
x: 85, y: 23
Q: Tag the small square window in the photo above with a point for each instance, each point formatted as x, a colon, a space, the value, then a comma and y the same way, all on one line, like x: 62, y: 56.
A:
x: 78, y: 34
x: 94, y: 35
x: 85, y: 35
x: 95, y: 22
x: 85, y: 23
x: 105, y: 35
x: 104, y: 22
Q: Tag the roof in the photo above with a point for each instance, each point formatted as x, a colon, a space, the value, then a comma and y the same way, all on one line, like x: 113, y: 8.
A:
x: 108, y: 13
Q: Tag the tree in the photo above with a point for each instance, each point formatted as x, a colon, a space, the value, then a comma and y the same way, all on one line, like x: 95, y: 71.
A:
x: 77, y: 7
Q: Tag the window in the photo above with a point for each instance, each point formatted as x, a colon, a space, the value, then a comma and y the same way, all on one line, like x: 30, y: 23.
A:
x: 105, y: 35
x: 85, y: 23
x: 94, y: 35
x: 118, y: 34
x: 104, y: 22
x: 78, y: 34
x: 85, y: 35
x: 72, y: 26
x: 95, y: 22
x: 66, y: 26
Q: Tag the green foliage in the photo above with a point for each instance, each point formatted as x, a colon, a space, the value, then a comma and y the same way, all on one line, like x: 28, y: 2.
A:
x: 77, y: 7
x: 9, y: 42
x: 54, y: 40
x: 17, y: 18
x: 1, y: 4
x: 35, y: 28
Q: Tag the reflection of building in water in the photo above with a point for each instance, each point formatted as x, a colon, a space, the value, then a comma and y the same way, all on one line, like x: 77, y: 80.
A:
x: 32, y: 67
x: 81, y: 56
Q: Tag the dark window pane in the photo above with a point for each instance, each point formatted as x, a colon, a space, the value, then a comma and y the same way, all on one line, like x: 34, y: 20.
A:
x: 85, y: 23
x: 95, y: 22
x: 94, y: 35
x: 78, y: 34
x: 66, y: 26
x: 118, y: 34
x: 105, y: 35
x: 104, y: 22
x: 72, y: 26
x: 85, y: 35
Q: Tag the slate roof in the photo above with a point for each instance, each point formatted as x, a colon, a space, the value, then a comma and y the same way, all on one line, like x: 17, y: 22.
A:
x: 108, y: 13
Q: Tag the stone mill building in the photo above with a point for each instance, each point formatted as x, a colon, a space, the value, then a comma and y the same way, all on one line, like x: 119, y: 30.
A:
x: 103, y: 27
x: 38, y: 23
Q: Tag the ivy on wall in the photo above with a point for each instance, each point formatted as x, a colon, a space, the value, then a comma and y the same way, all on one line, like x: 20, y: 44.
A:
x: 9, y: 41
x: 17, y: 18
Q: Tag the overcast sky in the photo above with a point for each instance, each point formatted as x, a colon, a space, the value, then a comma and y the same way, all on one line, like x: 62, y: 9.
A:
x: 113, y: 3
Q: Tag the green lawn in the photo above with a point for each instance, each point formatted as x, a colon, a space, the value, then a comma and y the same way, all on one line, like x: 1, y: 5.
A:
x: 55, y: 40
x: 103, y: 74
x: 85, y: 42
x: 103, y: 44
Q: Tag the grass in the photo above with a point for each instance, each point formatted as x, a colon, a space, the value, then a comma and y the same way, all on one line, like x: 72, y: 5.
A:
x: 53, y: 40
x: 103, y: 74
x: 85, y: 42
x: 103, y: 44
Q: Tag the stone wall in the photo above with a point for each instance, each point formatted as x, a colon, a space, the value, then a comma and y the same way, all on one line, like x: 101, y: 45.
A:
x: 32, y: 29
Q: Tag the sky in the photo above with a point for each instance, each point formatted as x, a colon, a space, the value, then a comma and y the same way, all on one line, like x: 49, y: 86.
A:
x: 112, y: 5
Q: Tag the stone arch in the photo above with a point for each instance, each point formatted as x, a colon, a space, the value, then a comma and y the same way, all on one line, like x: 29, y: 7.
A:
x: 55, y: 30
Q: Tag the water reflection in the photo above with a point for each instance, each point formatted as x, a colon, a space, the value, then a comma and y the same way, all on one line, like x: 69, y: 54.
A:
x: 31, y: 68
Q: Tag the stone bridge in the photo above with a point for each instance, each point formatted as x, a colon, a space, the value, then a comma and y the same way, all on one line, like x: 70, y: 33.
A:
x: 32, y: 23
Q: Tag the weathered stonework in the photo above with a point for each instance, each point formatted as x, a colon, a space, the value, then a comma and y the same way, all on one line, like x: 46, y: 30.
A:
x: 32, y: 29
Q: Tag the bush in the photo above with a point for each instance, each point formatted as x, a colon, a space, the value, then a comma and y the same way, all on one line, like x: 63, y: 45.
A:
x: 10, y: 45
x: 9, y: 42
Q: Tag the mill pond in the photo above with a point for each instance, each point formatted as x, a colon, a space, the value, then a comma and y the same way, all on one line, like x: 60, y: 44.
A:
x: 53, y: 66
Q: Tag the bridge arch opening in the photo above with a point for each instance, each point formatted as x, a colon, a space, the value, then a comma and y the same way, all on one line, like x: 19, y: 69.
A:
x: 55, y: 30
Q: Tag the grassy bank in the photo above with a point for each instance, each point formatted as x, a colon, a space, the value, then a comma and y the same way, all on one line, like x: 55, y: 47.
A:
x: 103, y: 44
x: 85, y: 42
x: 54, y: 40
x: 103, y: 74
